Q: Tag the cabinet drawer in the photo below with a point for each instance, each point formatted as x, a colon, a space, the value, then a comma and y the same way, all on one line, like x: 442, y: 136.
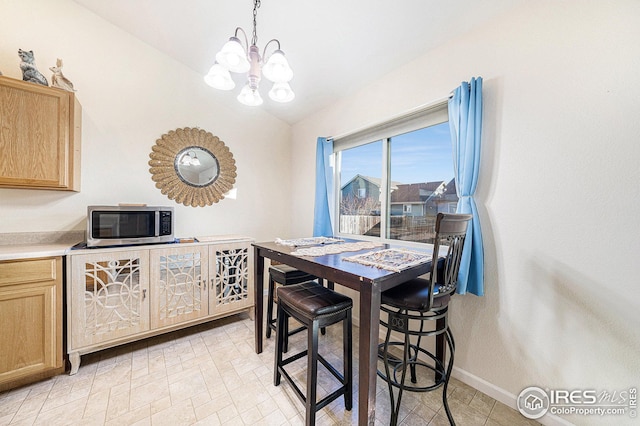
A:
x: 28, y: 271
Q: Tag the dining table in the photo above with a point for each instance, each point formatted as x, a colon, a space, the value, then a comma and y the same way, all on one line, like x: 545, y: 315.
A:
x: 368, y: 281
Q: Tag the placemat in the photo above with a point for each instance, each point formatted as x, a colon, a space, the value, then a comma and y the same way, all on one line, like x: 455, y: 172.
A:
x: 394, y: 260
x: 311, y: 241
x: 335, y: 248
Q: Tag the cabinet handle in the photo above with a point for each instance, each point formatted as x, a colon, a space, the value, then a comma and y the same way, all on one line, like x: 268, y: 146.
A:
x: 144, y: 293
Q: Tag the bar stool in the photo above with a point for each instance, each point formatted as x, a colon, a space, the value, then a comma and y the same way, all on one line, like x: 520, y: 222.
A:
x: 284, y: 275
x: 315, y: 306
x: 419, y: 308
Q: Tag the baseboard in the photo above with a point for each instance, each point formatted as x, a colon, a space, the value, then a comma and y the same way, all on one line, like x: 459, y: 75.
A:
x: 503, y: 396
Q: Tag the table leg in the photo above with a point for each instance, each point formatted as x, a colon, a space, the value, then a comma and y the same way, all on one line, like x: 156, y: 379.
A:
x: 368, y: 355
x: 258, y: 284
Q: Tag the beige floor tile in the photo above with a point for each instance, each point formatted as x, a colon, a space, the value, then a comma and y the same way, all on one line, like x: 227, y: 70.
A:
x: 482, y: 403
x: 30, y: 407
x: 118, y: 405
x: 210, y: 375
x: 275, y: 418
x: 213, y: 407
x: 201, y: 399
x: 148, y: 393
x: 226, y: 414
x: 62, y: 415
x: 130, y: 417
x: 160, y: 404
x: 507, y: 416
x: 181, y: 413
x: 191, y: 384
x: 211, y: 420
x: 97, y: 403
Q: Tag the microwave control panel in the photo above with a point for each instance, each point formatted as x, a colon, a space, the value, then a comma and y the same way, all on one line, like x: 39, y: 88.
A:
x: 165, y: 223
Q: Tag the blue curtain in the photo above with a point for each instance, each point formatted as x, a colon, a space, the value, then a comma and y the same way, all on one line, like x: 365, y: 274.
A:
x: 465, y: 122
x: 322, y: 214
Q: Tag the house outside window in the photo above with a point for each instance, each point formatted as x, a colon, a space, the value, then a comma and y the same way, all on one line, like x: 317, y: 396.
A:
x: 394, y: 178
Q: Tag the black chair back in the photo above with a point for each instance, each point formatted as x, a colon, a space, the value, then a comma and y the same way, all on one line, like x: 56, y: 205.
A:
x: 451, y: 231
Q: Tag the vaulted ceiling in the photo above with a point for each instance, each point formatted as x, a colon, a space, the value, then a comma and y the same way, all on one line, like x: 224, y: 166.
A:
x: 335, y: 47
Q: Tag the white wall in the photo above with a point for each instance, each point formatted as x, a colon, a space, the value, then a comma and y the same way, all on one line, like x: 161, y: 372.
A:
x: 131, y: 95
x: 559, y: 192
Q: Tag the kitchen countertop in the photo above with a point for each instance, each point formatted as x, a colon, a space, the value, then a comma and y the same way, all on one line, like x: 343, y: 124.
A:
x: 30, y: 251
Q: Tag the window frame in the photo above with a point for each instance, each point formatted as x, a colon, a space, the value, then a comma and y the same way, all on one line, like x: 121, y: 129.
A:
x: 419, y: 118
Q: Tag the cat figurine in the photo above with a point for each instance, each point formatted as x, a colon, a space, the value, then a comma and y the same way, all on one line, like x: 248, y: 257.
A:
x: 29, y: 71
x: 58, y: 79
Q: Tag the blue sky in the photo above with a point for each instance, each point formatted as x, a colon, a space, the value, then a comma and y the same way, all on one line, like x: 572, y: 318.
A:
x: 420, y: 156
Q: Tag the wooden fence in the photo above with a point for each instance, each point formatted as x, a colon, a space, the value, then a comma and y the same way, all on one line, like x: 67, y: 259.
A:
x: 408, y: 228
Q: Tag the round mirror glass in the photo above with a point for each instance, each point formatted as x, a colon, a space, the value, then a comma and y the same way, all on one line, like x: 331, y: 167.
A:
x: 196, y: 166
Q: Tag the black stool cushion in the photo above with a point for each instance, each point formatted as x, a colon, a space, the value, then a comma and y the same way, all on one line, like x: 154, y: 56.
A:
x: 413, y: 295
x: 285, y: 274
x: 312, y: 300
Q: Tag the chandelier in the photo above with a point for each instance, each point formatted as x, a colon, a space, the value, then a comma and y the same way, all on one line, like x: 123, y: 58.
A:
x: 239, y: 58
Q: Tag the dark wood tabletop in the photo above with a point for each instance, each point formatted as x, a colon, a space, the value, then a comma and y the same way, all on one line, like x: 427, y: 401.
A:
x: 367, y: 280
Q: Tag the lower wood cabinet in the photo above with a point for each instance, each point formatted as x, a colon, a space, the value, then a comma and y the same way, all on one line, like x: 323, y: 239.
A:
x: 31, y: 320
x: 118, y: 295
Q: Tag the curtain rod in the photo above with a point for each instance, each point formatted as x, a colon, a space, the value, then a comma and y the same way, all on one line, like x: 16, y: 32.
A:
x: 416, y: 110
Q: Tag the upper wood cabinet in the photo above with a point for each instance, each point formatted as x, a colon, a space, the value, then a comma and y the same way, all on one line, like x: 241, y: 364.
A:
x: 40, y: 130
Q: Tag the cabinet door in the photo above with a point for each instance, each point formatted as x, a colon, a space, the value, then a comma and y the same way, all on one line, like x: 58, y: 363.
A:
x: 31, y: 317
x: 109, y: 296
x: 231, y: 286
x: 40, y: 136
x: 178, y: 278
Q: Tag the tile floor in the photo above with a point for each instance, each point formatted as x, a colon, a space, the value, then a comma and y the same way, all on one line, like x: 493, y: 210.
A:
x: 210, y: 375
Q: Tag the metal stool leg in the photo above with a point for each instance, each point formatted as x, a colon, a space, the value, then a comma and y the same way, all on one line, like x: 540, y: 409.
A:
x: 270, y: 300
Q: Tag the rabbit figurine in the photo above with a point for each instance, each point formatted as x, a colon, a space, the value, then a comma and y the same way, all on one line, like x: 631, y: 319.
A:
x: 58, y: 79
x: 29, y: 71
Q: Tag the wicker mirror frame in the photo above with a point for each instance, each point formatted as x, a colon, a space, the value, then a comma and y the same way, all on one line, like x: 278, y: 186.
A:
x: 165, y: 173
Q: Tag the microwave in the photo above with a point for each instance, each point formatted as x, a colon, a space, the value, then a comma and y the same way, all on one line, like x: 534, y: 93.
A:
x: 129, y: 225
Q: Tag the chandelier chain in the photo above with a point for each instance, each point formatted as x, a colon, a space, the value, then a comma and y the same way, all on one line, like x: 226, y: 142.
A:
x: 254, y: 39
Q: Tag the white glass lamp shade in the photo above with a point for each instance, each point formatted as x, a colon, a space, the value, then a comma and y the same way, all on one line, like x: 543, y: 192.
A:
x: 277, y: 68
x: 186, y: 159
x: 281, y: 92
x: 233, y: 57
x: 249, y: 97
x: 219, y: 78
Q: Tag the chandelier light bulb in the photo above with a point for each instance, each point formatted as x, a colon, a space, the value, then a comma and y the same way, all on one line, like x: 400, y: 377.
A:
x: 186, y: 159
x: 233, y: 57
x: 249, y: 96
x: 281, y: 92
x: 219, y: 78
x: 277, y: 68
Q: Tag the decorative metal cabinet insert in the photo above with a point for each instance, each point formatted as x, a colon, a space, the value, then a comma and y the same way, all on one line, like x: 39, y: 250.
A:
x: 180, y: 290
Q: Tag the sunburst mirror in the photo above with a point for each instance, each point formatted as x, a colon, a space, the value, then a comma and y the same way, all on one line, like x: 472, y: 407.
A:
x: 192, y: 167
